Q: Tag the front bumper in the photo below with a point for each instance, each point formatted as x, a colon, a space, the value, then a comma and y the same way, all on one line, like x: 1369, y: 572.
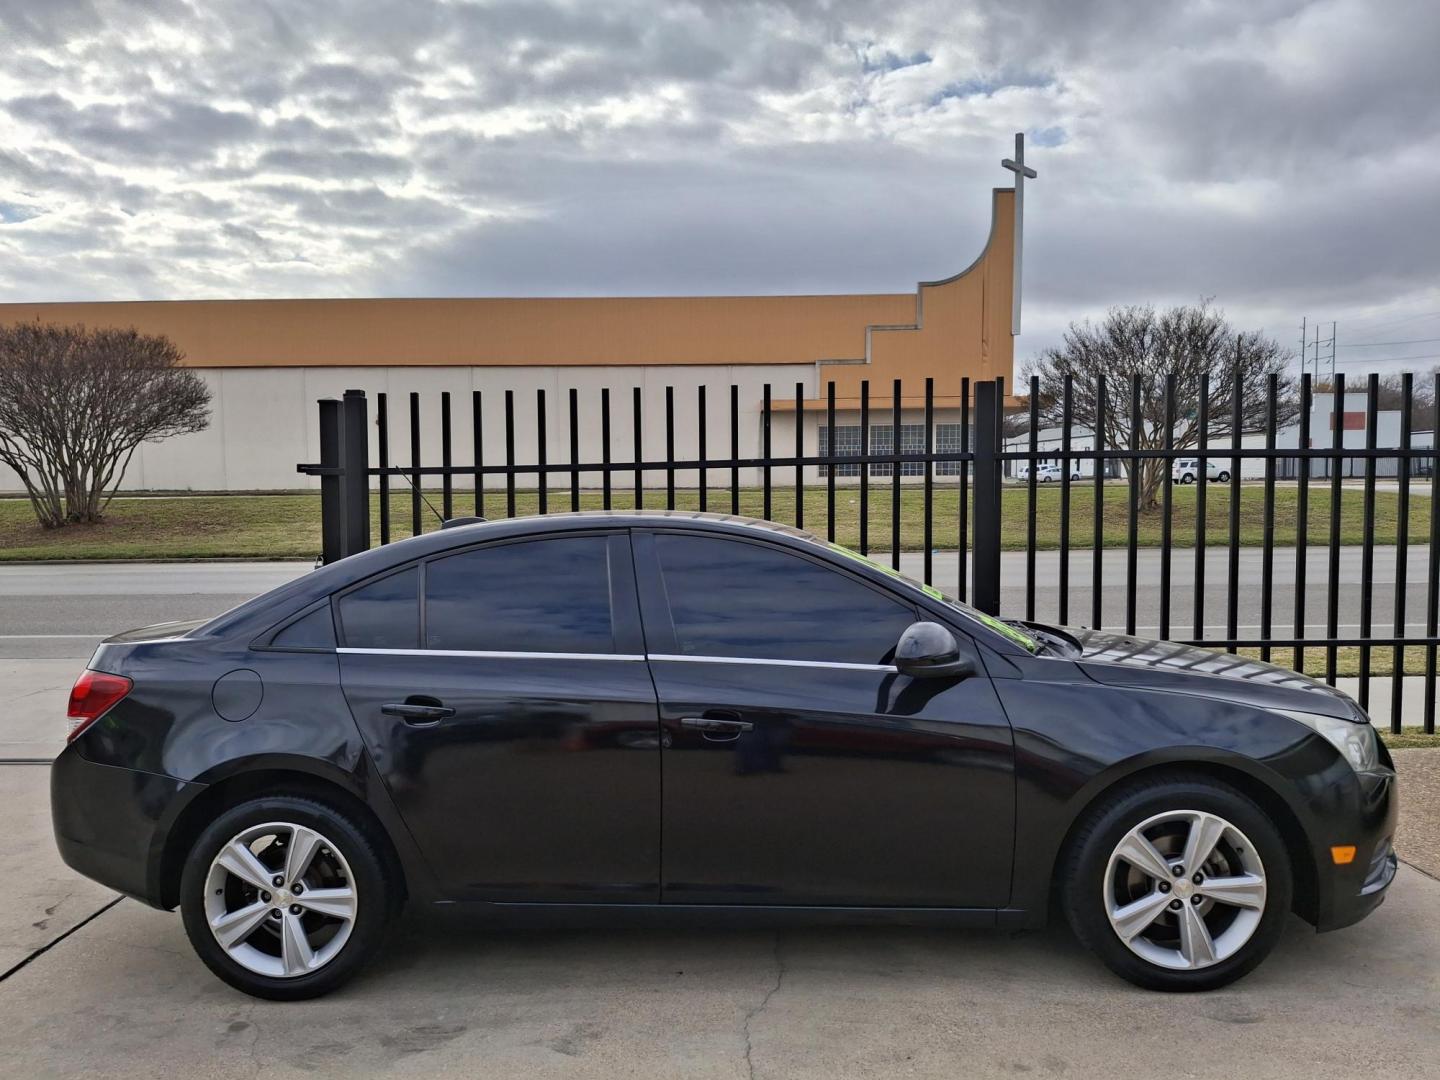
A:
x: 110, y: 823
x: 1349, y: 893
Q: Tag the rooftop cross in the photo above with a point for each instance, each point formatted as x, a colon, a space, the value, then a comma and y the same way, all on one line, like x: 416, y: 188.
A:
x: 1021, y: 171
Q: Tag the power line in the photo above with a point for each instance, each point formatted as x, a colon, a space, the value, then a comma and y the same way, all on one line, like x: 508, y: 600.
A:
x: 1385, y: 323
x: 1376, y: 344
x: 1390, y: 359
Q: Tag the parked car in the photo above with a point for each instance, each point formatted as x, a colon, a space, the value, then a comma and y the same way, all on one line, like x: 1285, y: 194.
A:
x: 504, y: 714
x: 1046, y: 472
x: 1185, y: 470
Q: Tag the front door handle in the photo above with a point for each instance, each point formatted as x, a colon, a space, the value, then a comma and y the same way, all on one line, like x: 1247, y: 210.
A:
x: 715, y: 729
x: 414, y: 711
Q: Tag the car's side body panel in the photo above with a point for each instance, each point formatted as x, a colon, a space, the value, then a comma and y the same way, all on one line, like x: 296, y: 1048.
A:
x: 168, y: 729
x: 1075, y: 738
x: 852, y: 788
x: 544, y: 785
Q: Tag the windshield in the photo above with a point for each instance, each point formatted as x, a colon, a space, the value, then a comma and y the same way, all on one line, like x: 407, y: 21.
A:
x: 1010, y: 631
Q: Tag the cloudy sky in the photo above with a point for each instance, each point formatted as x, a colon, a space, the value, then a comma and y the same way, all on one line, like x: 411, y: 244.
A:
x: 1281, y: 156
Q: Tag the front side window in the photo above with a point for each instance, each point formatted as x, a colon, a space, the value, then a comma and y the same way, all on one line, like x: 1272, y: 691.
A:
x: 383, y: 614
x: 550, y: 595
x: 737, y: 599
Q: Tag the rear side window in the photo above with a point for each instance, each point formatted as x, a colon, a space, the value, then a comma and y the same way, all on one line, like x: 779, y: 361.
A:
x: 550, y: 595
x: 731, y: 598
x: 313, y: 631
x: 384, y: 614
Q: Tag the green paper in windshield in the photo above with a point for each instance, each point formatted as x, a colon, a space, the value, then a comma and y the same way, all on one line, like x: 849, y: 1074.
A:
x: 1015, y: 634
x: 1004, y: 629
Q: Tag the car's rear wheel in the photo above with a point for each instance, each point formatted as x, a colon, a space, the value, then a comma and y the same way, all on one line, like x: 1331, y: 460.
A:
x: 1223, y: 476
x: 1178, y: 883
x: 286, y: 898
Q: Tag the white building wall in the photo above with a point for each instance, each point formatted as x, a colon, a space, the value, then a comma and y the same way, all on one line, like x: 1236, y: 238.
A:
x: 265, y: 420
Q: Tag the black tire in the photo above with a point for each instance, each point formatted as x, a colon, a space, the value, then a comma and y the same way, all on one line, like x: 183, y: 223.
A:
x: 1223, y: 476
x: 379, y: 898
x: 1084, y: 876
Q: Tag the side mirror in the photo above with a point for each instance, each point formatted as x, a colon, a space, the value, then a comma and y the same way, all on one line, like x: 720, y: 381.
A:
x: 927, y: 650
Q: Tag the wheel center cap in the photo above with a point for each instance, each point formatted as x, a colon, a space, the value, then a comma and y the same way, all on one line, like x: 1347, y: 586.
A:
x: 283, y: 898
x: 1183, y: 888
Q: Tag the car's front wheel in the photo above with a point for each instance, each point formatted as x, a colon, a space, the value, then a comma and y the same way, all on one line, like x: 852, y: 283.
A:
x: 284, y: 897
x: 1178, y: 883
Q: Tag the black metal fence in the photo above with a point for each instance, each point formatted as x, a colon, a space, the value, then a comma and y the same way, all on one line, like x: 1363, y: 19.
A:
x: 986, y: 508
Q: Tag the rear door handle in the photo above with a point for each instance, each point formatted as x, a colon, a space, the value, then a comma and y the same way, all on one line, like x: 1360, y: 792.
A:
x: 713, y: 726
x: 416, y: 713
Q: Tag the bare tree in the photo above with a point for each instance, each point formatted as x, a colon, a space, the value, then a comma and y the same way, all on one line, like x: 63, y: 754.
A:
x: 74, y: 405
x: 1139, y: 345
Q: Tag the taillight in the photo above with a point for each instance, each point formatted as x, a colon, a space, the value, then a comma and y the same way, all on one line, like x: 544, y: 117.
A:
x: 92, y: 696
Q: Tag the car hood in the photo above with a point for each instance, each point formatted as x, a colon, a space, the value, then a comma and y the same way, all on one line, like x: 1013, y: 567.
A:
x: 1120, y: 660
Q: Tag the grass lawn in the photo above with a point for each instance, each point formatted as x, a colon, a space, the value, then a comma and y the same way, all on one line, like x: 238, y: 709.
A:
x: 288, y: 525
x: 1347, y: 659
x: 1411, y: 738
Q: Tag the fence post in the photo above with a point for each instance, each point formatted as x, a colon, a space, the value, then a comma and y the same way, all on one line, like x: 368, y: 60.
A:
x: 331, y: 497
x: 985, y: 537
x: 355, y: 475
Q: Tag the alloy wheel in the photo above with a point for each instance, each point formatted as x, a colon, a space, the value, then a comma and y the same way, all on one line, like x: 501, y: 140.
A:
x: 280, y: 899
x: 1185, y: 889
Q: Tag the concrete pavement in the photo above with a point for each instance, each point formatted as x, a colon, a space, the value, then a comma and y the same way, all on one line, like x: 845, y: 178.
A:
x: 123, y: 996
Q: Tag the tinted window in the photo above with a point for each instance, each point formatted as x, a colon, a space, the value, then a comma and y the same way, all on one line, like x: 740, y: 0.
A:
x: 384, y: 614
x: 730, y: 598
x: 538, y: 596
x: 313, y: 631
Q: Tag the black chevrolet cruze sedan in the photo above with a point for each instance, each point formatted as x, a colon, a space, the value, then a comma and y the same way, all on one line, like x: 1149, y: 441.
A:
x: 691, y: 715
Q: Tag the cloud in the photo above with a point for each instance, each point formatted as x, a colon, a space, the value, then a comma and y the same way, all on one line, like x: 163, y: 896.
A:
x: 1279, y: 155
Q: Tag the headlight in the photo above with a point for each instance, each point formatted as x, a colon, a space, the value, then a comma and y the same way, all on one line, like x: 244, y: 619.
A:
x: 1355, y: 741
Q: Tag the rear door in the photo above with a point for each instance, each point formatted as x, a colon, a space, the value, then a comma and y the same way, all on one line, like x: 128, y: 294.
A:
x: 503, y: 693
x: 800, y: 768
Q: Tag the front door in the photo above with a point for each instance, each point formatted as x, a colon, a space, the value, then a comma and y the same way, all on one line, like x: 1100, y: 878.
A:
x: 504, y: 696
x: 800, y: 768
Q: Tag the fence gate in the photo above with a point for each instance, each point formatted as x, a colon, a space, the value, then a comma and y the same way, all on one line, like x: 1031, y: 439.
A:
x: 1015, y: 549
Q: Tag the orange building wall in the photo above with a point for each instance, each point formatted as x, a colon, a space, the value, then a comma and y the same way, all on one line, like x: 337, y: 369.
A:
x: 949, y: 329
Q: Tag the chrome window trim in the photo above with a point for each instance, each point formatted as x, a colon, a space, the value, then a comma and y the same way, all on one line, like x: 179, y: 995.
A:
x: 678, y: 658
x: 494, y: 655
x: 628, y: 657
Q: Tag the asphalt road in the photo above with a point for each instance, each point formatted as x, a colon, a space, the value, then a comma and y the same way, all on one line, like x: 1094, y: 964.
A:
x: 63, y: 610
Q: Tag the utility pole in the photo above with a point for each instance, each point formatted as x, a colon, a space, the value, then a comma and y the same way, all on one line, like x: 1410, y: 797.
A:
x: 1304, y: 344
x: 1332, y: 352
x: 1317, y: 357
